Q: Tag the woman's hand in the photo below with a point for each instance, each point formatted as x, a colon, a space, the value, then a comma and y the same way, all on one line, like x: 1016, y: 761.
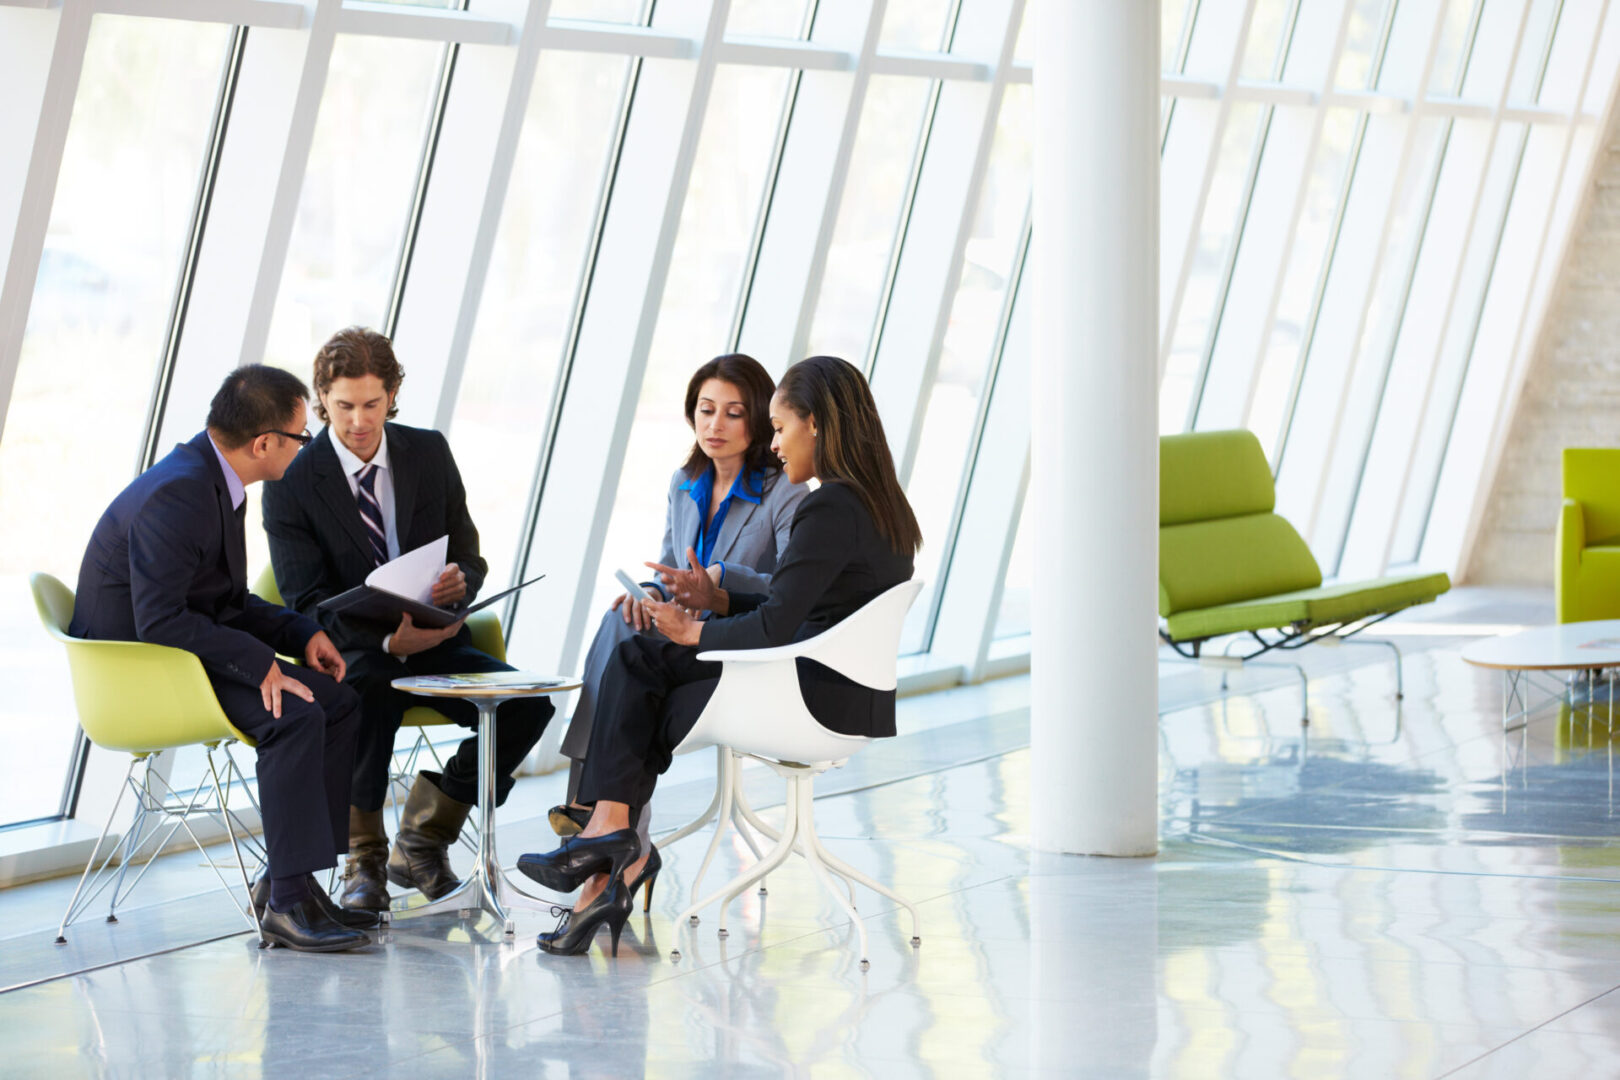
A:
x: 633, y: 610
x: 695, y: 587
x: 674, y: 622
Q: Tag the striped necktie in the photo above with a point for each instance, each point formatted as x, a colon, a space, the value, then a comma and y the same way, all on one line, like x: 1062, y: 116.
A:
x: 371, y: 513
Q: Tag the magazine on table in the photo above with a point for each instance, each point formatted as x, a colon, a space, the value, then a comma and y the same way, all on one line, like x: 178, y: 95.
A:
x: 519, y: 680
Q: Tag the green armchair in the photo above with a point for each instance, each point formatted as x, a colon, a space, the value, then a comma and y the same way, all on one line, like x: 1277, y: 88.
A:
x: 1587, y: 575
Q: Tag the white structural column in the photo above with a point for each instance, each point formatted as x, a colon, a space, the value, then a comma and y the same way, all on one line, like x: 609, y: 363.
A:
x: 1094, y: 666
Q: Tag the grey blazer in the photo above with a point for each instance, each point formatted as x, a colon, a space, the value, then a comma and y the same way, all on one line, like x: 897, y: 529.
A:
x: 751, y: 539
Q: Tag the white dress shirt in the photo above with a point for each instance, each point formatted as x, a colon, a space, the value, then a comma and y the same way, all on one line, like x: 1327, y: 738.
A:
x: 382, y: 486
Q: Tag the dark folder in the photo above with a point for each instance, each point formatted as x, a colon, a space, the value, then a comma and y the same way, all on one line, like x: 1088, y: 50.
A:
x: 366, y: 602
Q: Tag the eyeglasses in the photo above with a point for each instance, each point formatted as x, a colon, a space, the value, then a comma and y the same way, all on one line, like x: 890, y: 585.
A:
x: 303, y: 439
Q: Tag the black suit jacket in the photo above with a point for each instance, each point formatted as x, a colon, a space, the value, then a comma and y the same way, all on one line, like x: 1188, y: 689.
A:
x: 835, y: 562
x: 167, y: 564
x: 318, y: 543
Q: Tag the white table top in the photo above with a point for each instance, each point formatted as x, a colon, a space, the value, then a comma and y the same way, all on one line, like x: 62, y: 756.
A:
x: 555, y: 684
x: 1565, y: 646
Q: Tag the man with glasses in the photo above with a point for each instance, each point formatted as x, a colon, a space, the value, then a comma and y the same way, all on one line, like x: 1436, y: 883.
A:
x: 364, y: 491
x: 167, y: 564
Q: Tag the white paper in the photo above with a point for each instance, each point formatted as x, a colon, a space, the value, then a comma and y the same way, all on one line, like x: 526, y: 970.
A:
x: 413, y: 573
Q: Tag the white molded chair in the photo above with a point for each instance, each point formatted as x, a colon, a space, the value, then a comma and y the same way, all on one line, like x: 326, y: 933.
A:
x: 865, y: 648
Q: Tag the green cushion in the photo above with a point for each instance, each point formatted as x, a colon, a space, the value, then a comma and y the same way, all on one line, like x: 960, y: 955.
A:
x: 1322, y: 606
x: 1592, y: 476
x: 1591, y: 588
x: 1207, y: 563
x: 1212, y: 474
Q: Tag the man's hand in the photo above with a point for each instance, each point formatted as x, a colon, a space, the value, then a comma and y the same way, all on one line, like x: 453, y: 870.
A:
x: 410, y: 639
x: 633, y: 610
x: 450, y: 588
x: 275, y: 684
x: 675, y: 622
x: 694, y: 587
x: 322, y: 655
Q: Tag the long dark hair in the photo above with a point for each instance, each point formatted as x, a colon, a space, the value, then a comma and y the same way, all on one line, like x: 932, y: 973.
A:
x: 850, y: 445
x: 750, y: 377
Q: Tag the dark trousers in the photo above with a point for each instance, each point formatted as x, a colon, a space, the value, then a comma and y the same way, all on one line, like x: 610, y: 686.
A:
x: 652, y: 693
x: 518, y: 724
x: 305, y: 827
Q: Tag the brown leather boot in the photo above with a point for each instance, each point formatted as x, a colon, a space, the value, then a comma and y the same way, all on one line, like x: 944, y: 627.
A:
x: 365, y: 885
x: 429, y: 824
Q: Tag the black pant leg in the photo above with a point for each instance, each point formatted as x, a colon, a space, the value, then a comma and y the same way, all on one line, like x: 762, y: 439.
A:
x: 652, y: 693
x: 310, y: 744
x: 518, y: 724
x: 371, y: 673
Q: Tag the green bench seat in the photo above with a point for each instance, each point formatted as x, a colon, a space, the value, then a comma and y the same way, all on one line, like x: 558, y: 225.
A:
x: 1305, y: 608
x: 1228, y: 564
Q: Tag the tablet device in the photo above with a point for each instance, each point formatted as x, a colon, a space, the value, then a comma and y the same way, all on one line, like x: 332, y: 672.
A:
x: 631, y: 586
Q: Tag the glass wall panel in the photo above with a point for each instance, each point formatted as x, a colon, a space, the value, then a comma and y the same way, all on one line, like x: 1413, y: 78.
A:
x: 1259, y: 260
x: 1333, y: 338
x: 1174, y: 24
x: 356, y: 197
x: 615, y: 11
x: 953, y: 401
x: 1411, y: 366
x: 1455, y: 349
x: 1601, y: 83
x: 504, y: 405
x: 1227, y: 198
x: 1024, y: 47
x: 880, y: 169
x: 1013, y: 617
x: 700, y: 299
x: 915, y: 25
x: 1275, y: 382
x: 1573, y: 35
x: 1455, y: 38
x: 1496, y: 348
x: 1268, y: 31
x: 1540, y: 33
x: 766, y: 18
x: 1358, y: 361
x: 90, y: 350
x: 1361, y: 44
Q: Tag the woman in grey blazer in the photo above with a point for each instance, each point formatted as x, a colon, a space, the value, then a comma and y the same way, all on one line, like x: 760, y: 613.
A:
x: 730, y: 507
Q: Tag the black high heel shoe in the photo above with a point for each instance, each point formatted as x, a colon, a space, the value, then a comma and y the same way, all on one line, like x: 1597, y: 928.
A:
x: 649, y: 874
x: 566, y: 869
x: 577, y: 929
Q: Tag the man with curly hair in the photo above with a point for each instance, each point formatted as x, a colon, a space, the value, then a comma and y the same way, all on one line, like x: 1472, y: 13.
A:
x: 365, y: 490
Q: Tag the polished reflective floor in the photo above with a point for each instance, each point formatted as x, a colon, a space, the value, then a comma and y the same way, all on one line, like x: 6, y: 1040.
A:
x: 1398, y: 889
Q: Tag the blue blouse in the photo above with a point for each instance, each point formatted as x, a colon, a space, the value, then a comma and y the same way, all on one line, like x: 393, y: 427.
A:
x: 749, y: 486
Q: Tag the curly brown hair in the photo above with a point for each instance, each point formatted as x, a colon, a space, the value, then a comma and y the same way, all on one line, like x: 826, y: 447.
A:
x: 353, y: 353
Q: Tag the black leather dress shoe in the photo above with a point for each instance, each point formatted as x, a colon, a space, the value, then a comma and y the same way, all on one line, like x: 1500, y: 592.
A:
x: 565, y: 869
x: 353, y: 919
x: 305, y: 927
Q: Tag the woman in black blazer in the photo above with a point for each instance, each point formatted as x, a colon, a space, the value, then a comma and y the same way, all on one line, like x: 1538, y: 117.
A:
x: 853, y: 539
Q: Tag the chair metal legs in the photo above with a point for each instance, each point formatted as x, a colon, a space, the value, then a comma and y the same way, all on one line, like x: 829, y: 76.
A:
x: 798, y: 835
x: 729, y: 806
x: 157, y: 801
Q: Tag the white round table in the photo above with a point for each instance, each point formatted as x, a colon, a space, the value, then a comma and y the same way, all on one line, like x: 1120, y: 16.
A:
x: 1578, y: 646
x: 487, y: 888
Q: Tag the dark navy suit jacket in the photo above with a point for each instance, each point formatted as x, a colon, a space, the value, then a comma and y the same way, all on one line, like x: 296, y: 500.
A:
x: 167, y: 564
x: 318, y: 543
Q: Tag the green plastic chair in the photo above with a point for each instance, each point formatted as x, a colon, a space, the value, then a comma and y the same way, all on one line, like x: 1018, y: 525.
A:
x: 487, y: 636
x: 141, y: 699
x: 1230, y: 565
x: 1587, y: 575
